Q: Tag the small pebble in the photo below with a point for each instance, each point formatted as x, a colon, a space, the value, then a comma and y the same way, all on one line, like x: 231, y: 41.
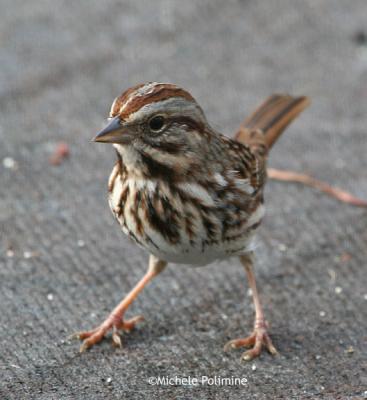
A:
x: 109, y: 380
x: 365, y: 296
x: 338, y: 290
x: 282, y: 247
x: 322, y: 313
x: 350, y: 350
x: 27, y: 254
x: 249, y: 292
x: 10, y: 253
x: 50, y: 296
x: 317, y: 356
x: 9, y: 163
x: 253, y: 367
x: 81, y: 243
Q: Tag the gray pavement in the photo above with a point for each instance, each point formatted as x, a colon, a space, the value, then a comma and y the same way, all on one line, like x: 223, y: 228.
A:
x: 64, y: 263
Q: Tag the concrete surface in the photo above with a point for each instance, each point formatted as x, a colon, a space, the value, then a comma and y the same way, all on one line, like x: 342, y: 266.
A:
x: 64, y: 263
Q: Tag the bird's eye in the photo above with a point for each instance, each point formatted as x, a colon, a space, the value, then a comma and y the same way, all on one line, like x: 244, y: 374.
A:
x: 156, y: 123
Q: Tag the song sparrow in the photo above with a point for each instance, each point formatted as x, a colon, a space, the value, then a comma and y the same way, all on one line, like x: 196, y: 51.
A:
x: 186, y: 193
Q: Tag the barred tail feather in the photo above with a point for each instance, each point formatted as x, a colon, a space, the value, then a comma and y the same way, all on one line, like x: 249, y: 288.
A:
x: 270, y: 119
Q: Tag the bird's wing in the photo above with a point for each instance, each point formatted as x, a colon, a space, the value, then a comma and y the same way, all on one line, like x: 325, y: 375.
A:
x: 246, y: 166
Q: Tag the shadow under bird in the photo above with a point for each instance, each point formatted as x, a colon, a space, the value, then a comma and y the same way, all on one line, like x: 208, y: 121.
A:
x: 186, y: 193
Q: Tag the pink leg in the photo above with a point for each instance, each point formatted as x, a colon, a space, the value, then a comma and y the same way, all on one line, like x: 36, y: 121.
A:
x: 259, y: 336
x: 115, y: 320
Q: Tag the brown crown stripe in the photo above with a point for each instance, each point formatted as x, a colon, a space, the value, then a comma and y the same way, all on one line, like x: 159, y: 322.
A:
x: 159, y: 93
x: 122, y: 98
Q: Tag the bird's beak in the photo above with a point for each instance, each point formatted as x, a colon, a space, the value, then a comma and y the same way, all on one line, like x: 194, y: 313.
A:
x: 114, y: 132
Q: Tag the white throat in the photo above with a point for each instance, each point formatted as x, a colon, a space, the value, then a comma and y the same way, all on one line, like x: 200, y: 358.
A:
x: 130, y: 157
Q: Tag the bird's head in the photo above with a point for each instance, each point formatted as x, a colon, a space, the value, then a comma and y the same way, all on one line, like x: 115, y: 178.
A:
x: 158, y: 120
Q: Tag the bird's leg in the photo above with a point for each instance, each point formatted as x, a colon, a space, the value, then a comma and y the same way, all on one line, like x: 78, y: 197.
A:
x: 115, y: 320
x: 259, y: 337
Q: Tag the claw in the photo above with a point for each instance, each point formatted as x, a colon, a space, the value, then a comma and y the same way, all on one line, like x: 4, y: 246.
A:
x: 252, y: 353
x: 83, y: 347
x: 269, y: 345
x: 116, y: 339
x: 73, y: 336
x: 236, y: 343
x: 94, y: 336
x: 129, y: 325
x: 258, y: 339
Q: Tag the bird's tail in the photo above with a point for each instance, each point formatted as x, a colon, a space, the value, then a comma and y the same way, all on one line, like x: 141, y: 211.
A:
x: 268, y: 121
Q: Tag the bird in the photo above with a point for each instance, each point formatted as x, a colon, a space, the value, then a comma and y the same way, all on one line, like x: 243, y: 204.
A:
x: 188, y: 194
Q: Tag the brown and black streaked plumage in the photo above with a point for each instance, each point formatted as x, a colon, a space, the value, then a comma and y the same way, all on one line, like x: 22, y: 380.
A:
x: 185, y: 192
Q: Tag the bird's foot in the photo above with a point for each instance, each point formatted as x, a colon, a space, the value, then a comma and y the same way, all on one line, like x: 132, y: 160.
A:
x: 258, y: 339
x: 114, y: 323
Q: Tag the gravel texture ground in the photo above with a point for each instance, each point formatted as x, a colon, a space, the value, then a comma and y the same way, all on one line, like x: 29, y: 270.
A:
x: 64, y: 262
